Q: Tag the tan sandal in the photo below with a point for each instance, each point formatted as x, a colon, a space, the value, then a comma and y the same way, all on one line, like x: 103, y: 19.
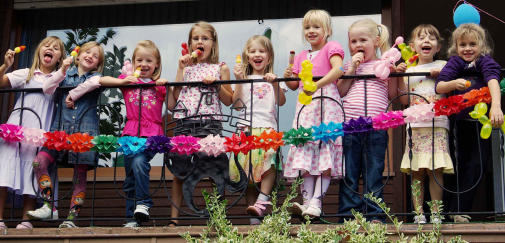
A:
x: 461, y: 218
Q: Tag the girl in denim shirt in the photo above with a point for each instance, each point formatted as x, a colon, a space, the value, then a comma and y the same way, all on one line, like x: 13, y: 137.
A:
x: 71, y: 117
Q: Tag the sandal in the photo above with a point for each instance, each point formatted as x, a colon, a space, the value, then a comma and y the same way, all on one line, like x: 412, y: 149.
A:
x: 171, y: 223
x: 3, y: 226
x: 461, y: 218
x: 24, y: 225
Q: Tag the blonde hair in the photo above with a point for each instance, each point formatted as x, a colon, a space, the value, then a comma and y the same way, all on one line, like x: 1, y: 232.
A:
x: 469, y: 30
x: 85, y: 47
x: 374, y: 29
x: 320, y: 17
x: 36, y: 56
x: 214, y: 52
x: 267, y: 44
x: 149, y: 45
x: 428, y: 28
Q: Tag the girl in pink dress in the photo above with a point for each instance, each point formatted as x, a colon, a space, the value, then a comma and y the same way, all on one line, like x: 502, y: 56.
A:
x: 316, y: 162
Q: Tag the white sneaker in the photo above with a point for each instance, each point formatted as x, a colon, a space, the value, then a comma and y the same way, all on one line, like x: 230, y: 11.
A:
x: 312, y: 211
x: 131, y: 225
x: 141, y: 213
x: 419, y: 219
x: 67, y: 224
x: 297, y: 209
x: 435, y: 220
x: 43, y: 212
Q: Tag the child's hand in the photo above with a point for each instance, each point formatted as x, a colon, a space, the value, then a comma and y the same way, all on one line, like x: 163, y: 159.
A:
x: 270, y: 77
x: 9, y: 57
x: 66, y: 63
x: 69, y: 102
x: 161, y: 82
x: 184, y: 61
x: 460, y: 84
x: 357, y: 59
x: 209, y: 79
x: 496, y: 115
x: 401, y: 68
x: 288, y: 73
x: 238, y: 71
x: 434, y: 72
x: 129, y: 80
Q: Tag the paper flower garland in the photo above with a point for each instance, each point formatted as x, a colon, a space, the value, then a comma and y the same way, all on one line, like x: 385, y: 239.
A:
x: 33, y: 136
x: 56, y: 140
x: 105, y: 144
x: 449, y: 106
x: 158, y: 144
x: 328, y: 132
x: 298, y: 136
x: 80, y: 142
x: 419, y: 113
x: 391, y: 119
x: 131, y: 145
x: 237, y: 144
x: 212, y: 145
x: 184, y: 144
x: 362, y: 124
x: 477, y: 96
x: 268, y: 140
x: 11, y: 132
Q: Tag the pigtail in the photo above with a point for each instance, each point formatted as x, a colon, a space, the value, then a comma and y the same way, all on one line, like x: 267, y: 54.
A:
x: 383, y: 34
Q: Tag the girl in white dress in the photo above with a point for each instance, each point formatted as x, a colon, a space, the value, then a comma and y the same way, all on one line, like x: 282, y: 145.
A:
x: 16, y: 166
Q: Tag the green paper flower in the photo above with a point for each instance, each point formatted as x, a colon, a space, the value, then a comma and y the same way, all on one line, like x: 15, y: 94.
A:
x: 502, y: 86
x: 105, y: 144
x: 298, y: 136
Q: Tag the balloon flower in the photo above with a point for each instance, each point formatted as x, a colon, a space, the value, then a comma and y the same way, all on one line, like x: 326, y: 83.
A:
x: 388, y: 59
x: 308, y: 85
x: 19, y: 49
x: 479, y: 112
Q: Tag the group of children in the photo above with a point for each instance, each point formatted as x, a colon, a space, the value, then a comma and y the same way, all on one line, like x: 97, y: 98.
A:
x: 348, y: 158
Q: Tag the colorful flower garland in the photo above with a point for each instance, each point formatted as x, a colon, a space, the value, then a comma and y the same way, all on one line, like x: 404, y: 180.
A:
x: 214, y: 145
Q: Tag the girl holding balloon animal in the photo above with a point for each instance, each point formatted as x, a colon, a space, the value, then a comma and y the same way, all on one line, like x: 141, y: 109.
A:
x: 470, y: 55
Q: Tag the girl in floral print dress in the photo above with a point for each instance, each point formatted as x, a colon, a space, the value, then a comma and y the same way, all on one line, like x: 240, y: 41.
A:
x: 316, y: 162
x: 258, y: 56
x: 425, y: 40
x: 198, y: 108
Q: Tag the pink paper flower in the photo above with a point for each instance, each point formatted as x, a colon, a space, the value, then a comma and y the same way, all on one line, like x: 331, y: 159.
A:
x: 419, y: 113
x: 384, y: 121
x: 212, y: 145
x: 33, y: 136
x: 184, y: 144
x: 11, y: 133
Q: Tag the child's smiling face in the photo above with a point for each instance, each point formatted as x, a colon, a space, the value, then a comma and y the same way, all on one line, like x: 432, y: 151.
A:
x: 146, y: 60
x: 468, y: 48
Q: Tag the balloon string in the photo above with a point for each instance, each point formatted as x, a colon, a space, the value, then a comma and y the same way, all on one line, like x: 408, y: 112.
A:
x: 480, y: 10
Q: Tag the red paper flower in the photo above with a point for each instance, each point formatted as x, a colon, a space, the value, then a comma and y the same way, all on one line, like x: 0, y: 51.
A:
x: 56, y: 140
x: 449, y: 106
x: 237, y: 144
x: 272, y: 140
x: 80, y: 142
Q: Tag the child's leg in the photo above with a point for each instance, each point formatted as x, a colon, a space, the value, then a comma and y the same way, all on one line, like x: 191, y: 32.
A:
x: 267, y: 184
x: 375, y: 153
x: 28, y: 205
x: 3, y: 198
x: 348, y: 198
x: 129, y: 188
x: 79, y: 192
x: 417, y: 200
x: 322, y: 184
x: 176, y: 198
x: 307, y: 188
x: 40, y: 165
x: 436, y: 191
x: 251, y: 194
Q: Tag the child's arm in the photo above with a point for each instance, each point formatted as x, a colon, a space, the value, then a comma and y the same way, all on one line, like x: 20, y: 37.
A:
x: 89, y: 85
x: 238, y: 71
x: 52, y: 83
x: 184, y: 61
x: 288, y: 73
x: 344, y: 85
x: 447, y: 80
x: 170, y: 95
x: 335, y: 73
x: 111, y: 81
x: 280, y: 98
x: 8, y: 61
x: 448, y: 86
x: 495, y: 113
x: 397, y: 85
x: 225, y: 92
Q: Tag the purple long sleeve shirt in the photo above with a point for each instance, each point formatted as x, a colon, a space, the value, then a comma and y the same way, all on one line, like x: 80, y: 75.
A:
x: 478, y: 72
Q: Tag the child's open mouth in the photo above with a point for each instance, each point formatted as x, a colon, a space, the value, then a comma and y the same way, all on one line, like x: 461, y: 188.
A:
x: 48, y: 57
x: 426, y: 49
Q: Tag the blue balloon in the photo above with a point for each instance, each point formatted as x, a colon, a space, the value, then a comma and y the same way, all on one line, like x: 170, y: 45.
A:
x: 465, y: 14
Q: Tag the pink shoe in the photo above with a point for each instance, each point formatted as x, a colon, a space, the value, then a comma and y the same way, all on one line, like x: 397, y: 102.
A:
x: 3, y: 226
x: 24, y: 225
x: 258, y: 209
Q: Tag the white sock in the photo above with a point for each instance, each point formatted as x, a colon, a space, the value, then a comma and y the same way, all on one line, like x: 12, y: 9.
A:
x: 322, y: 184
x: 307, y: 189
x: 263, y: 197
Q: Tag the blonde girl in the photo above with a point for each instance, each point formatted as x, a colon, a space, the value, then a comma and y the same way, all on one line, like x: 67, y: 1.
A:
x: 258, y: 56
x: 316, y: 162
x: 425, y: 40
x: 366, y: 38
x: 470, y: 60
x: 49, y: 65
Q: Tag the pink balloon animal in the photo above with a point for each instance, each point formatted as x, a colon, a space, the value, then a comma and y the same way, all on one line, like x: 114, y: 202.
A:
x: 127, y: 68
x: 388, y: 60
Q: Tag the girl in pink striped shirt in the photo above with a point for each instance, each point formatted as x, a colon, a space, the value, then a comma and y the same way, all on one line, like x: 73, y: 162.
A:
x: 364, y: 152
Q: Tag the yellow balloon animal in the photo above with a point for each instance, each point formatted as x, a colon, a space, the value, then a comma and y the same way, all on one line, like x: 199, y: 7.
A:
x: 308, y: 84
x: 479, y: 112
